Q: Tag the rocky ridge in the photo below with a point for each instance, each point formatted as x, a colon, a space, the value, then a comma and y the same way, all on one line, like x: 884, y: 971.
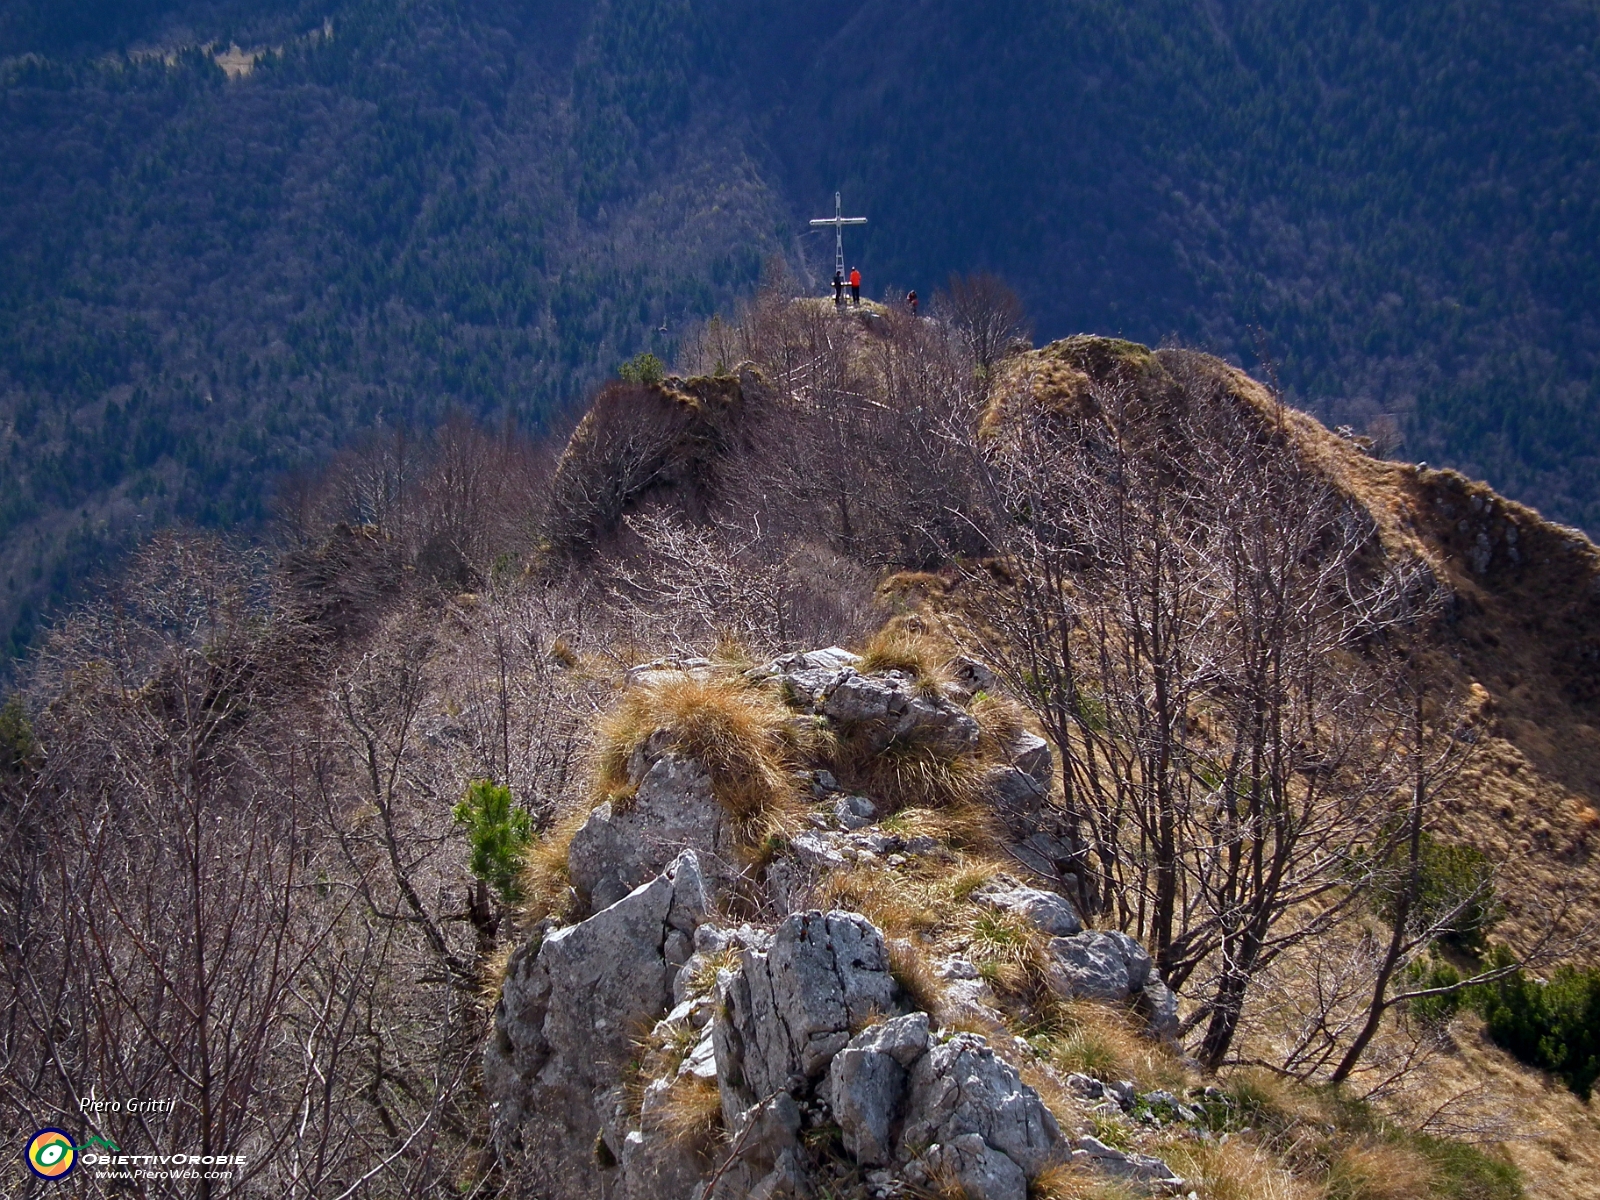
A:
x: 659, y: 1047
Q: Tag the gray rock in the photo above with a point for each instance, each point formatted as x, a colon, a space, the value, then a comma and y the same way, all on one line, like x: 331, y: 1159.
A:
x: 694, y: 981
x: 962, y: 1087
x: 788, y: 1180
x: 1048, y: 912
x: 667, y: 670
x: 1158, y: 1004
x: 957, y: 968
x: 551, y: 1065
x: 1031, y: 754
x: 968, y: 677
x: 654, y: 1167
x: 1047, y: 854
x: 702, y: 1060
x: 1086, y: 1086
x: 866, y: 1085
x: 1089, y: 964
x: 982, y: 1172
x: 889, y: 707
x: 817, y: 851
x: 834, y: 658
x: 972, y: 1000
x: 855, y: 812
x: 787, y: 1011
x: 1135, y: 955
x: 1016, y: 798
x: 621, y: 846
x: 1102, y: 1158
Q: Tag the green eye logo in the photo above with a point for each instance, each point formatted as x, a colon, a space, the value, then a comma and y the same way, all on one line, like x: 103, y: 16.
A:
x: 51, y: 1154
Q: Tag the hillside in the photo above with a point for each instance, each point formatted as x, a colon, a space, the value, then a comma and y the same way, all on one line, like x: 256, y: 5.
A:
x: 814, y: 740
x: 219, y: 264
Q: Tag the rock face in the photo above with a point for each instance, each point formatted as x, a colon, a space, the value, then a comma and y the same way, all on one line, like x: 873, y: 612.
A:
x: 785, y: 1013
x: 867, y: 1085
x: 790, y: 1008
x: 1113, y: 967
x: 890, y: 707
x: 793, y: 1029
x: 962, y: 1090
x: 900, y: 1096
x: 881, y: 707
x: 563, y: 1029
x: 1049, y: 912
x: 672, y: 809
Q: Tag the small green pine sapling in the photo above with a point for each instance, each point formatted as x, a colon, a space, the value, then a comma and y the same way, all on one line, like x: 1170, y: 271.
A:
x: 499, y: 834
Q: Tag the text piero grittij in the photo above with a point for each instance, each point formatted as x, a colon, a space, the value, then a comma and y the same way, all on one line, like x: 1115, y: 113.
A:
x: 93, y: 1104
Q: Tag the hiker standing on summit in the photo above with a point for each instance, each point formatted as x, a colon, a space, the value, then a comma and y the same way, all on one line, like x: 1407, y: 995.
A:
x: 838, y: 288
x: 855, y: 287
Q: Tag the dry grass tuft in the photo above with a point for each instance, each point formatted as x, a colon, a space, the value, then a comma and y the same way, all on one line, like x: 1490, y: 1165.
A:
x: 971, y: 826
x: 912, y: 775
x: 917, y: 981
x: 744, y: 737
x: 1273, y: 1103
x: 1236, y: 1170
x: 563, y: 655
x: 690, y: 1113
x: 1000, y: 721
x: 732, y: 651
x: 492, y: 974
x: 1380, y: 1171
x: 942, y: 1184
x: 1065, y: 1106
x: 896, y: 904
x: 545, y: 882
x: 1009, y: 952
x: 1063, y: 1182
x: 905, y: 645
x: 908, y: 589
x: 1106, y: 1042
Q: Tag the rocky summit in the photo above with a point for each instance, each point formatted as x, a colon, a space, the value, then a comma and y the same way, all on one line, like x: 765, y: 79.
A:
x: 828, y: 1058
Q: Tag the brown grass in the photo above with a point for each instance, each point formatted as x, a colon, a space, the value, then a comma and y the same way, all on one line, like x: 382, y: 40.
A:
x: 1237, y: 1170
x: 1106, y: 1042
x: 545, y: 881
x: 690, y: 1113
x: 895, y: 903
x: 744, y: 737
x: 918, y: 983
x: 1380, y: 1171
x: 1000, y: 721
x: 492, y: 974
x: 912, y: 776
x: 1064, y: 1182
x: 904, y: 644
x: 1009, y: 952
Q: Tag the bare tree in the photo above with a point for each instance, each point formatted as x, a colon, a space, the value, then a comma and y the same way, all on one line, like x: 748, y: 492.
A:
x: 1194, y: 619
x: 988, y: 315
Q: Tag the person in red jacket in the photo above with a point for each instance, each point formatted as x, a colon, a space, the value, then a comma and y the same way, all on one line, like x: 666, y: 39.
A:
x: 855, y: 287
x: 911, y: 301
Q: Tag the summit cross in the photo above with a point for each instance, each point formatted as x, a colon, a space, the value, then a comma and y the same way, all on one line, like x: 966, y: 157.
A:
x: 838, y: 221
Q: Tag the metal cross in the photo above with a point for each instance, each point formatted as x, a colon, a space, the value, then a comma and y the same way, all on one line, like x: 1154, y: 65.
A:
x: 838, y: 221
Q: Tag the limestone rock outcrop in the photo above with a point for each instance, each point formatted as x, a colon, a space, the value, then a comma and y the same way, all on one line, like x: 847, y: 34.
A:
x: 1112, y: 967
x: 571, y: 1004
x: 623, y: 844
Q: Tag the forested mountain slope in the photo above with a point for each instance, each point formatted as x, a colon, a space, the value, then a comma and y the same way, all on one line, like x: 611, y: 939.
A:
x: 207, y: 276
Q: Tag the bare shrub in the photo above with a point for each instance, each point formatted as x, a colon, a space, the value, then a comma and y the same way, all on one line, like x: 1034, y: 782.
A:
x: 986, y: 313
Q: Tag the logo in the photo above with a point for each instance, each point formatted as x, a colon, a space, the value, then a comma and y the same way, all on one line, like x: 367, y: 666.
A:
x: 51, y: 1154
